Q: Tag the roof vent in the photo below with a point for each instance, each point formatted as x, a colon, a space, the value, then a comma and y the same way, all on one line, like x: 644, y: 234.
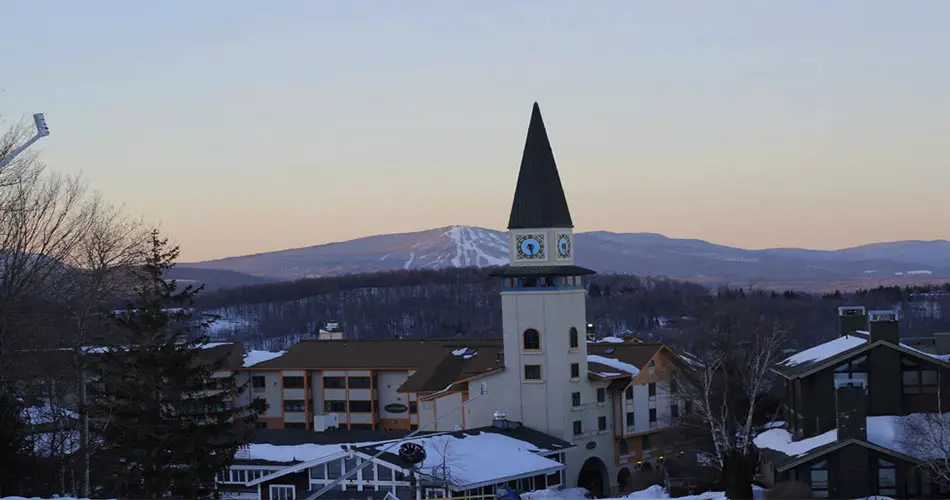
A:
x: 500, y: 420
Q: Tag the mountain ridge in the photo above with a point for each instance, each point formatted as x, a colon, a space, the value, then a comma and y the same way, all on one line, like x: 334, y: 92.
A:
x: 604, y: 251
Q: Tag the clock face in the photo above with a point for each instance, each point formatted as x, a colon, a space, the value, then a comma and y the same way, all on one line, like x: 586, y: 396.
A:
x: 564, y: 246
x: 530, y: 246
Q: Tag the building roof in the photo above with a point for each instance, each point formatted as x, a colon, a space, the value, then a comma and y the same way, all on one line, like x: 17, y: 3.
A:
x: 884, y: 433
x: 482, y: 456
x: 486, y: 455
x: 378, y: 354
x: 839, y: 349
x: 539, y: 200
x: 455, y: 364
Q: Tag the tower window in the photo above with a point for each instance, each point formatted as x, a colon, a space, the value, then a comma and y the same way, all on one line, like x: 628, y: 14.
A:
x: 532, y: 340
x: 575, y: 399
x: 573, y: 336
x: 575, y: 370
x: 532, y: 372
x: 578, y: 428
x: 601, y: 395
x: 601, y: 423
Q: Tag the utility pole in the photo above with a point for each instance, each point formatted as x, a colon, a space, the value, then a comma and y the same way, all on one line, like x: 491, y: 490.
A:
x: 41, y: 131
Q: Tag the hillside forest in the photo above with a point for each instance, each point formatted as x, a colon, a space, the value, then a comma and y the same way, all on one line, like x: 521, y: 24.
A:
x: 466, y: 302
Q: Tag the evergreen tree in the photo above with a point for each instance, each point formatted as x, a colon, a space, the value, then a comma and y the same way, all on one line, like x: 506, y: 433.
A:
x: 12, y: 442
x: 167, y: 427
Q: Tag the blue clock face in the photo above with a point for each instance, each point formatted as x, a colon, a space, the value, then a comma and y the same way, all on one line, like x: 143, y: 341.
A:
x: 530, y: 247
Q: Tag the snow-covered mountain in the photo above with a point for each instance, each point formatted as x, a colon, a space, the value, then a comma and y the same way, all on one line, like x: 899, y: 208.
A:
x: 635, y: 253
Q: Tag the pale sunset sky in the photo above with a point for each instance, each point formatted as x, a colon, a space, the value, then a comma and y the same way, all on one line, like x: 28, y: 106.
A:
x: 246, y: 126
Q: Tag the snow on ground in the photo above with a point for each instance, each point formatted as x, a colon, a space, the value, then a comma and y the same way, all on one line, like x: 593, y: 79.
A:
x: 613, y: 363
x: 824, y: 351
x: 252, y: 358
x: 655, y: 492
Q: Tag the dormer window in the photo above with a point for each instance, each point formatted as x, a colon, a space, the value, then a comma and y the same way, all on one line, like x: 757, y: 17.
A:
x: 532, y: 340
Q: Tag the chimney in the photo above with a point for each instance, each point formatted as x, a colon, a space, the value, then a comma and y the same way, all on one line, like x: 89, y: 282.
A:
x: 851, y: 401
x: 942, y: 343
x: 884, y: 325
x: 852, y: 319
x: 591, y: 333
x: 499, y: 420
x: 331, y: 331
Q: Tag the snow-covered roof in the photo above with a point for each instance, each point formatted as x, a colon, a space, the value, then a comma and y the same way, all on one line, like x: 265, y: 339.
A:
x: 252, y: 358
x: 611, y: 340
x: 824, y: 351
x: 613, y: 363
x: 887, y: 432
x: 296, y: 453
x: 804, y: 361
x: 471, y: 460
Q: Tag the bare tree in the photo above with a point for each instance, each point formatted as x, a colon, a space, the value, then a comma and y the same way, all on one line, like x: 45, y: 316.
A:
x: 928, y: 435
x: 101, y: 271
x: 727, y: 378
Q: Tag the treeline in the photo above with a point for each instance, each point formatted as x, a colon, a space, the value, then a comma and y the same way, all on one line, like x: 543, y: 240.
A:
x: 466, y: 302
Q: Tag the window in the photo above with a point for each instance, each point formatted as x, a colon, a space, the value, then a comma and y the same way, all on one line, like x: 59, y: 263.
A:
x: 918, y: 378
x: 630, y: 420
x: 652, y: 415
x: 687, y: 406
x: 573, y: 337
x: 630, y: 393
x: 575, y: 399
x: 385, y: 474
x: 295, y: 425
x: 413, y: 407
x: 818, y: 476
x: 258, y: 382
x: 361, y: 406
x: 673, y: 386
x: 651, y: 363
x: 674, y: 410
x: 283, y: 492
x: 259, y: 404
x: 624, y: 447
x: 645, y: 443
x: 575, y: 370
x: 293, y: 382
x: 361, y: 427
x: 532, y: 340
x: 651, y: 387
x: 331, y: 406
x: 886, y: 478
x: 359, y: 382
x: 334, y: 382
x: 260, y: 425
x: 532, y: 372
x: 578, y: 429
x: 294, y: 405
x: 601, y: 395
x: 601, y: 423
x: 853, y: 373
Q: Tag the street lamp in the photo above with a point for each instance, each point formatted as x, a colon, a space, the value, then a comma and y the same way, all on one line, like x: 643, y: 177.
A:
x: 41, y: 131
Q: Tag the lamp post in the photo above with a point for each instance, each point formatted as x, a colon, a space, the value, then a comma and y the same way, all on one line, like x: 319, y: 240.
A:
x: 41, y: 131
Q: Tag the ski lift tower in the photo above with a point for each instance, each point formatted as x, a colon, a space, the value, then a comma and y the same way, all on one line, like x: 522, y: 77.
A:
x: 41, y: 131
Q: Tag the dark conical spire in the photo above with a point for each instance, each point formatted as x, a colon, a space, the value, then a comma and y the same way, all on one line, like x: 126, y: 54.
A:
x: 539, y: 198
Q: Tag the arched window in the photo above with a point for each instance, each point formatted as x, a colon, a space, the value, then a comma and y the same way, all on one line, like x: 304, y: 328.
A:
x: 573, y: 335
x: 532, y: 340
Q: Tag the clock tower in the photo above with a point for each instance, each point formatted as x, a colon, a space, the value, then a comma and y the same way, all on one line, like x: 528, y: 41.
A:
x: 543, y: 298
